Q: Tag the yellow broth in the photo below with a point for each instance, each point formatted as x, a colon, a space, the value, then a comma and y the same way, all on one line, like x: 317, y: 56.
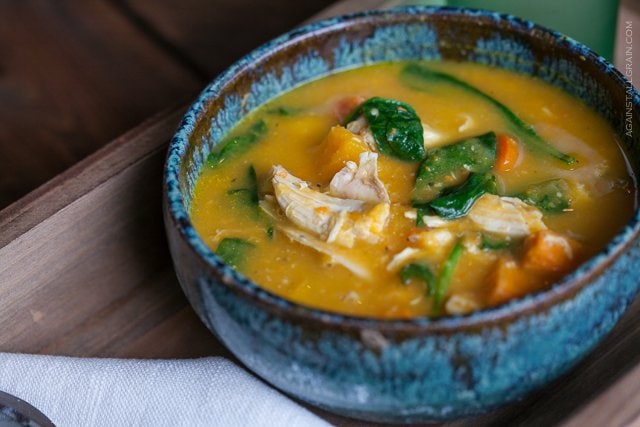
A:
x: 602, y: 198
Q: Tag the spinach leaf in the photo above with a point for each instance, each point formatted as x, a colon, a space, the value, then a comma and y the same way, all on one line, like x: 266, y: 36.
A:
x: 446, y: 274
x: 416, y: 76
x: 550, y: 196
x: 490, y: 243
x: 443, y: 167
x: 458, y: 201
x: 238, y: 145
x: 419, y: 271
x: 249, y: 197
x: 395, y: 126
x: 249, y: 193
x: 233, y: 250
x: 284, y: 111
x: 421, y: 211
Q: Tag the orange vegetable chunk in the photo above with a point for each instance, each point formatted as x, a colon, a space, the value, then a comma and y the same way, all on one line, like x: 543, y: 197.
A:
x: 509, y: 281
x: 548, y: 251
x: 339, y: 146
x: 507, y: 153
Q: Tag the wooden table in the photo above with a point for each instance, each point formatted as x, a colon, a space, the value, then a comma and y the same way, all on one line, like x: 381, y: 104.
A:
x: 84, y: 268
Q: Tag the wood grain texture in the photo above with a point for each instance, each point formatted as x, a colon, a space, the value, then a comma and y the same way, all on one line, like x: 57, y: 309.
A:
x: 621, y: 404
x: 74, y: 74
x: 213, y: 34
x: 87, y: 271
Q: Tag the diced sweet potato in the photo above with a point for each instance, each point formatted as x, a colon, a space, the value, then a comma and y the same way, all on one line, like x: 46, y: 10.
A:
x: 508, y: 281
x: 547, y: 251
x: 339, y: 146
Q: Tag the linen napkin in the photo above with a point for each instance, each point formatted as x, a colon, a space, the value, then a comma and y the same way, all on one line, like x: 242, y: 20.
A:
x: 210, y: 391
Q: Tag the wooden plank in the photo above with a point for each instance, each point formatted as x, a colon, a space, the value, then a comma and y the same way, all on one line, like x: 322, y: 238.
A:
x: 74, y: 75
x: 86, y: 270
x: 214, y: 34
x: 619, y: 405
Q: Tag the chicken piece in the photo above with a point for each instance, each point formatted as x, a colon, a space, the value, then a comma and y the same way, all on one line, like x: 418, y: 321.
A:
x: 506, y: 216
x: 434, y: 240
x: 360, y: 126
x: 360, y: 182
x: 332, y: 219
x: 403, y: 257
x: 461, y: 304
x: 337, y: 255
x: 431, y: 137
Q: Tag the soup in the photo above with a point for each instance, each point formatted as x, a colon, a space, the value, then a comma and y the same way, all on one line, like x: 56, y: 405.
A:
x: 410, y: 189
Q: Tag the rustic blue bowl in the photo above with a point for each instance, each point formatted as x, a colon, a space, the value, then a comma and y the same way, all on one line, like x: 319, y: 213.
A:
x: 411, y: 370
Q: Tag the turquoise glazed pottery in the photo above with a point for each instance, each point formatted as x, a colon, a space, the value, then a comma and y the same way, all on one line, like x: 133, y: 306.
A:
x: 411, y: 370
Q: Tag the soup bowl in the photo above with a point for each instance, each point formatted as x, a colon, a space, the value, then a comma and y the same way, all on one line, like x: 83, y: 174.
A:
x: 422, y: 369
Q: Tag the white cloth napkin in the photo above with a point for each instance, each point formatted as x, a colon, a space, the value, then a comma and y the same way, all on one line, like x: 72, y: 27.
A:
x: 115, y: 392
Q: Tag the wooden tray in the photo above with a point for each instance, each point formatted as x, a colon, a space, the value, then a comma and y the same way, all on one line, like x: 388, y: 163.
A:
x: 85, y: 271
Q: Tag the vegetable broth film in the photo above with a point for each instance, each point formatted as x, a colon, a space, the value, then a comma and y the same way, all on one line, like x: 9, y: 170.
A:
x: 410, y: 189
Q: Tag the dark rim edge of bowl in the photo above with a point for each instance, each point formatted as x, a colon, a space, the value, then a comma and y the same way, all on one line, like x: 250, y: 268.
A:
x: 560, y: 291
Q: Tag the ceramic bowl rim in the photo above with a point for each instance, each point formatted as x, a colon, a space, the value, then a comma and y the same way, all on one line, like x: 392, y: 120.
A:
x: 560, y: 291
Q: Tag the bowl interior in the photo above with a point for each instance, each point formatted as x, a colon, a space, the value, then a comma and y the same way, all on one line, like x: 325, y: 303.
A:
x: 403, y: 34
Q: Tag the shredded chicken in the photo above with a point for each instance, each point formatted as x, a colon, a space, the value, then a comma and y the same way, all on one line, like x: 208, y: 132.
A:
x: 403, y: 257
x: 332, y: 219
x: 360, y: 126
x: 507, y: 216
x: 338, y: 255
x: 360, y: 182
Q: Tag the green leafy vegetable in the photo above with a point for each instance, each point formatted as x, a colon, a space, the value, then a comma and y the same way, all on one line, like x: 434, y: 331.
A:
x: 248, y: 195
x: 458, y: 201
x: 416, y: 76
x: 446, y: 166
x: 238, y: 145
x: 446, y: 274
x: 550, y: 196
x: 494, y: 244
x: 233, y: 250
x: 395, y: 126
x: 419, y: 271
x: 284, y: 111
x: 421, y: 211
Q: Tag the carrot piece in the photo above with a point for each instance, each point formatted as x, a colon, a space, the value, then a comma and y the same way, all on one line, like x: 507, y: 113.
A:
x: 548, y: 251
x: 508, y: 281
x: 346, y: 105
x: 507, y: 153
